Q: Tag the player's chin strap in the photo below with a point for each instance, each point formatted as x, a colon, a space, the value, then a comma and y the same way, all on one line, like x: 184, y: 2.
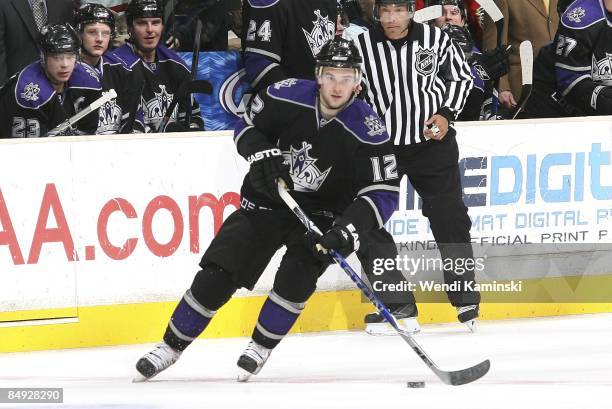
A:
x: 459, y: 377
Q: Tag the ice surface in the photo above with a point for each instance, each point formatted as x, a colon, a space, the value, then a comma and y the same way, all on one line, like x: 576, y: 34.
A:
x: 559, y: 362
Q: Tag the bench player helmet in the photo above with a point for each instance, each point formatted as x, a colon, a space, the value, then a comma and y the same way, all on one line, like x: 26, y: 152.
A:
x: 144, y: 9
x: 94, y: 13
x: 58, y: 39
x: 461, y: 37
x: 409, y: 3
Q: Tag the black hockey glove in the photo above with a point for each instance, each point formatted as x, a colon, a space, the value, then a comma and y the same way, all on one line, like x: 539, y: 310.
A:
x: 492, y: 64
x: 344, y: 240
x: 266, y: 167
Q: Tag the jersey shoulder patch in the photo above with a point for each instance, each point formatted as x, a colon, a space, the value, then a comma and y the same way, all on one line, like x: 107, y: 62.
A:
x: 363, y: 123
x: 84, y: 77
x: 260, y: 4
x: 33, y: 89
x: 582, y: 14
x: 126, y: 55
x: 295, y: 91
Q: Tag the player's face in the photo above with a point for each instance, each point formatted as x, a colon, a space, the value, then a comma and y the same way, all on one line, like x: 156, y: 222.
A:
x: 59, y: 67
x: 394, y: 19
x: 336, y: 86
x: 95, y: 38
x: 450, y: 15
x: 147, y: 32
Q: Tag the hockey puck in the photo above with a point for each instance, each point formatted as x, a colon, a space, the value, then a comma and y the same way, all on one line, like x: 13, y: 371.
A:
x: 419, y: 384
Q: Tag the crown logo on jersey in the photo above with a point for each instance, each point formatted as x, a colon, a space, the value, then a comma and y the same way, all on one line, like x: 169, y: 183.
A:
x: 155, y: 108
x: 322, y: 32
x: 576, y: 14
x: 601, y: 71
x: 306, y: 176
x: 425, y: 61
x: 30, y: 92
x: 109, y: 118
x: 374, y: 125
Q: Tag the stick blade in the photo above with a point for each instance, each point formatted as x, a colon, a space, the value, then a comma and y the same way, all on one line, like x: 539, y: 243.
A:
x: 427, y: 13
x: 463, y: 376
x: 526, y: 53
x: 491, y: 9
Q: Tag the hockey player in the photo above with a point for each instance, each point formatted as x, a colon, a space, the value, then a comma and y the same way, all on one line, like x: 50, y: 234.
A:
x: 485, y: 67
x: 583, y: 64
x: 47, y: 92
x: 161, y: 69
x: 282, y: 38
x: 328, y: 147
x: 418, y: 110
x: 96, y: 26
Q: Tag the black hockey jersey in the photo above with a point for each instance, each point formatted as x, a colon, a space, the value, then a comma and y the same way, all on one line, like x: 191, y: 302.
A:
x: 161, y: 78
x: 583, y: 47
x: 331, y: 162
x: 30, y: 107
x: 123, y: 114
x: 282, y: 37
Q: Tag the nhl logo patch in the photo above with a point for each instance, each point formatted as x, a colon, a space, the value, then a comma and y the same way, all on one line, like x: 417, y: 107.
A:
x: 576, y: 14
x: 425, y: 61
x: 30, y: 92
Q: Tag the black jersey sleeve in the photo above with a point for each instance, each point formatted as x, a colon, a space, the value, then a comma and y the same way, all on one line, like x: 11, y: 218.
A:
x: 255, y: 130
x: 456, y: 73
x: 267, y: 25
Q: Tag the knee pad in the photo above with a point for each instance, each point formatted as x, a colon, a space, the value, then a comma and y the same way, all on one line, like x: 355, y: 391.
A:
x: 212, y: 287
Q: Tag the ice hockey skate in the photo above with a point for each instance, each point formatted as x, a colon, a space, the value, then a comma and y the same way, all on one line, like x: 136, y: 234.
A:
x: 156, y: 361
x: 405, y: 315
x: 467, y: 315
x: 252, y: 360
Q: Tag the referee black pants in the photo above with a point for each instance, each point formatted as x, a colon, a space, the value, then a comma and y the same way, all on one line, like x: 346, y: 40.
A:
x: 433, y: 170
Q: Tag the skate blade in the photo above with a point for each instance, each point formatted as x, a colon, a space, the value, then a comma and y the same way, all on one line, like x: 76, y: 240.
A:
x: 138, y: 378
x: 409, y: 325
x: 471, y: 324
x: 243, y: 376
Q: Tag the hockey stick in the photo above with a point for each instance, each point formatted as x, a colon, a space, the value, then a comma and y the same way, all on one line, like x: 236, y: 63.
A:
x: 496, y: 15
x: 186, y: 88
x: 526, y: 51
x: 195, y: 60
x: 106, y: 96
x: 428, y: 13
x: 459, y: 377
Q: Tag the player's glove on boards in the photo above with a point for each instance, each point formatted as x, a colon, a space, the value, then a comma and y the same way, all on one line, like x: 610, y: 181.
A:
x: 343, y: 239
x: 266, y: 167
x: 495, y: 63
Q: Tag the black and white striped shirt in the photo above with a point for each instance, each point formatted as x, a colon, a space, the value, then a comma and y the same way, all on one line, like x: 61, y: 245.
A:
x: 410, y: 80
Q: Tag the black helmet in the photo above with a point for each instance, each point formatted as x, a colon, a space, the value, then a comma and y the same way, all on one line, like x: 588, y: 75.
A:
x: 339, y: 53
x: 59, y: 39
x: 461, y: 37
x: 144, y: 9
x: 94, y: 13
x: 377, y: 3
x: 458, y: 3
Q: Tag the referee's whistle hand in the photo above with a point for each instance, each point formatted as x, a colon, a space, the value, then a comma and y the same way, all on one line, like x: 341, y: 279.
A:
x: 436, y: 127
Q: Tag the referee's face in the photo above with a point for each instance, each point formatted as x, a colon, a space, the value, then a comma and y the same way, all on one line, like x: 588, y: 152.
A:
x: 394, y: 19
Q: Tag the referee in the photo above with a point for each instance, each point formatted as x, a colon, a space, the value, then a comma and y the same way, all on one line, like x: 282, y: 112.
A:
x: 417, y: 82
